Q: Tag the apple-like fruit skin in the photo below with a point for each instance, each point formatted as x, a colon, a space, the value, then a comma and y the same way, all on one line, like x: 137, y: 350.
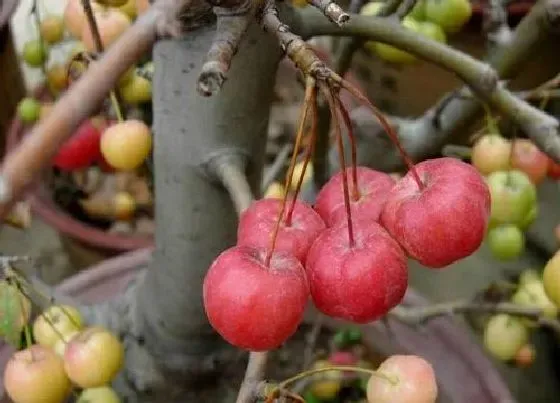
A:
x: 325, y: 385
x: 451, y: 15
x: 252, y: 306
x: 514, y: 198
x: 102, y: 394
x: 392, y: 54
x: 551, y: 279
x: 257, y: 223
x: 416, y: 381
x: 35, y: 53
x: 93, y: 357
x: 29, y: 110
x: 65, y: 318
x: 504, y: 335
x: 446, y: 220
x: 373, y: 186
x: 506, y: 242
x: 553, y: 170
x: 111, y: 24
x: 491, y: 153
x: 81, y: 150
x: 36, y: 375
x: 527, y: 157
x: 358, y: 283
x: 126, y: 145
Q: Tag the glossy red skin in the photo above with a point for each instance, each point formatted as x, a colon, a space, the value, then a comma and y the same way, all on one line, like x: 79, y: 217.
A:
x: 527, y: 157
x: 553, y: 170
x: 374, y: 188
x: 251, y: 306
x: 82, y: 149
x: 257, y: 224
x: 444, y: 222
x: 360, y: 283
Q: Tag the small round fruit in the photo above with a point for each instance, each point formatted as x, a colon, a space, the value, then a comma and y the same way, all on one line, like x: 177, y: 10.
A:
x: 137, y: 90
x: 504, y: 335
x: 527, y: 157
x: 111, y: 24
x: 102, y: 394
x: 529, y: 276
x: 451, y: 15
x: 124, y: 205
x: 530, y: 218
x: 35, y: 53
x: 274, y: 191
x: 93, y: 357
x: 506, y: 242
x: 29, y: 110
x: 15, y: 310
x: 75, y: 17
x: 55, y: 321
x: 327, y: 384
x: 52, y: 29
x: 126, y: 145
x: 533, y: 294
x: 491, y: 153
x: 60, y: 345
x: 418, y: 12
x: 240, y: 290
x: 525, y: 356
x: 415, y: 381
x: 129, y: 8
x: 259, y: 221
x: 298, y: 171
x: 553, y: 171
x: 551, y: 279
x: 357, y: 282
x: 432, y: 31
x: 36, y: 375
x: 57, y: 78
x: 513, y: 196
x: 392, y: 54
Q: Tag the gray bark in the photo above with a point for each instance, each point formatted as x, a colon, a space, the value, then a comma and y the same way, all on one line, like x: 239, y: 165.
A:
x: 161, y: 317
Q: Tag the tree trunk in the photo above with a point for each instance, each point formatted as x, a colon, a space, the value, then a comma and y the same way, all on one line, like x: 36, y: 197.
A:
x: 166, y: 333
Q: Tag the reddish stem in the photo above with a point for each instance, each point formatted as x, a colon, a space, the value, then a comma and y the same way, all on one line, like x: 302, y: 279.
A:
x: 388, y: 129
x: 354, y: 147
x: 309, y: 90
x: 308, y: 154
x: 338, y: 134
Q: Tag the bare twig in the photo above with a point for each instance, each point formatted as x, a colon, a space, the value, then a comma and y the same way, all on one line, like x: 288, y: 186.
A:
x: 231, y: 172
x: 418, y: 315
x: 231, y: 27
x: 405, y: 7
x: 277, y: 165
x: 331, y: 10
x: 253, y: 378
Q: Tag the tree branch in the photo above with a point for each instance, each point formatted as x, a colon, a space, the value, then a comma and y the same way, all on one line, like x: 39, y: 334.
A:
x: 414, y: 316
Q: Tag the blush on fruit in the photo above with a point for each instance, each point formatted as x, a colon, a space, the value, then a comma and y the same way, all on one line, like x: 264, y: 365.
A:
x: 415, y: 381
x: 491, y: 153
x: 80, y: 150
x: 257, y: 224
x: 553, y: 170
x: 373, y: 186
x: 36, y: 375
x: 527, y: 157
x: 446, y: 220
x: 251, y: 305
x: 360, y: 282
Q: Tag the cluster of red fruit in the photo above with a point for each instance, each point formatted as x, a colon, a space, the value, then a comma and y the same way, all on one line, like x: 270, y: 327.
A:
x: 351, y: 258
x: 66, y: 355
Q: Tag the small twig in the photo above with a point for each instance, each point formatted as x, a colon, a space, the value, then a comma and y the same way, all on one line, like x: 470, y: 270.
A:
x: 254, y: 375
x: 231, y: 172
x: 414, y: 316
x: 331, y: 10
x: 232, y: 24
x: 405, y: 8
x: 276, y: 166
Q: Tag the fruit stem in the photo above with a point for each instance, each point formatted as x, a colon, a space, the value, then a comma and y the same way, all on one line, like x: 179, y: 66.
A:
x: 86, y: 4
x: 392, y: 380
x: 491, y: 124
x: 354, y: 147
x: 388, y: 129
x: 308, y: 154
x: 309, y: 90
x: 28, y: 339
x: 338, y: 135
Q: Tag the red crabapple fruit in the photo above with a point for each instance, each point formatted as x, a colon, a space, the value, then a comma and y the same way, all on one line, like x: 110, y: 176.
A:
x: 360, y: 282
x: 373, y: 186
x: 252, y: 305
x: 444, y: 221
x: 257, y: 223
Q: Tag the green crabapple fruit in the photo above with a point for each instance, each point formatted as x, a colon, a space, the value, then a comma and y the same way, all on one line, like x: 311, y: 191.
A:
x: 551, y: 279
x: 491, y: 153
x: 55, y: 321
x: 35, y: 53
x: 504, y: 335
x: 29, y: 110
x: 451, y: 15
x: 506, y: 242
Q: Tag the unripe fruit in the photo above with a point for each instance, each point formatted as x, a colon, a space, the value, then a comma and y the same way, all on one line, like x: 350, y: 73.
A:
x: 137, y: 90
x: 274, y: 191
x: 35, y: 53
x: 29, y: 110
x: 52, y: 29
x: 551, y: 279
x: 451, y: 15
x: 415, y: 381
x: 102, y: 394
x: 55, y: 321
x: 506, y: 242
x: 504, y: 335
x: 325, y: 385
x: 491, y: 153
